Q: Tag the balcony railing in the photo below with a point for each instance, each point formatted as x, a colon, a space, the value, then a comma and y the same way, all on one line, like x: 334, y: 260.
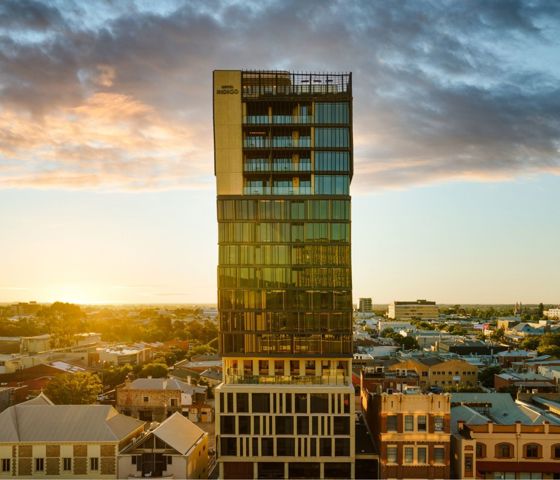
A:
x: 278, y: 120
x: 261, y: 190
x: 277, y: 167
x: 277, y: 142
x: 288, y: 379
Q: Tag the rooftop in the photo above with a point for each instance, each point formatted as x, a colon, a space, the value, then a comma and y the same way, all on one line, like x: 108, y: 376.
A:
x: 42, y: 422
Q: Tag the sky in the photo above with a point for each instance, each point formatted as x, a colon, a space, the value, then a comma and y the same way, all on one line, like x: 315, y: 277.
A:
x: 107, y: 193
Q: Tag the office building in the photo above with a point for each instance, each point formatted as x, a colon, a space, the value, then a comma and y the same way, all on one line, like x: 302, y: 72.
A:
x: 415, y: 310
x: 283, y: 164
x: 365, y: 305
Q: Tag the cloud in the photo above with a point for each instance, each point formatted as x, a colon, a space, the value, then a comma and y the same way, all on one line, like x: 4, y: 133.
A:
x: 121, y: 98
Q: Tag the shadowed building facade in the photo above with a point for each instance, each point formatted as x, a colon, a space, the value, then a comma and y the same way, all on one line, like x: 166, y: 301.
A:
x: 283, y: 164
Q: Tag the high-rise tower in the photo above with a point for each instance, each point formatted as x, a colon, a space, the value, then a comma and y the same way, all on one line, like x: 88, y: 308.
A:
x: 283, y: 164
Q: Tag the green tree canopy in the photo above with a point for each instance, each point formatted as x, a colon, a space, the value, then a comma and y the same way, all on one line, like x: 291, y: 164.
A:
x: 486, y: 375
x: 155, y: 370
x: 74, y: 388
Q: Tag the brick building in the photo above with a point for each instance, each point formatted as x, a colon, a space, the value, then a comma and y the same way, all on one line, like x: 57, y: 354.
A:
x: 412, y: 433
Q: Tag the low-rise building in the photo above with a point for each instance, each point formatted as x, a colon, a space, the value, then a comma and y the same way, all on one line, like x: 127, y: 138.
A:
x: 155, y: 399
x: 418, y: 309
x: 507, y: 358
x: 523, y: 381
x: 176, y: 448
x: 433, y: 371
x: 39, y: 439
x: 123, y: 354
x: 495, y: 437
x: 412, y: 433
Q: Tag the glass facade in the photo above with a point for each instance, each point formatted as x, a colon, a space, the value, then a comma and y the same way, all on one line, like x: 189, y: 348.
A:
x: 284, y: 275
x: 283, y: 162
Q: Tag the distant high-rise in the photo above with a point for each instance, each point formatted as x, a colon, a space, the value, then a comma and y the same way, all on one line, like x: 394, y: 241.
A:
x: 365, y: 305
x: 283, y: 164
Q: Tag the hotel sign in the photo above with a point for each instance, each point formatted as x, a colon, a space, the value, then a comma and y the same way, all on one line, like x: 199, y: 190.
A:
x: 227, y: 90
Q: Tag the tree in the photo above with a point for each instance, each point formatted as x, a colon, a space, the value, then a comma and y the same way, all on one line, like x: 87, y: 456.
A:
x: 486, y: 376
x: 499, y: 335
x: 155, y: 370
x: 530, y: 343
x: 80, y: 388
x: 115, y: 375
x: 201, y: 350
x: 541, y: 310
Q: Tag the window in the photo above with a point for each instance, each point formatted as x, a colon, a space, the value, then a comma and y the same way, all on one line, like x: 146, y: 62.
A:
x: 243, y: 402
x: 331, y: 137
x: 267, y: 447
x: 422, y: 423
x: 392, y: 454
x: 170, y: 459
x: 331, y: 184
x: 67, y: 464
x: 94, y: 463
x: 422, y: 455
x: 532, y: 450
x: 408, y: 454
x: 303, y: 425
x: 341, y: 425
x: 146, y: 399
x: 391, y: 423
x: 468, y: 464
x: 438, y: 424
x: 556, y: 451
x: 332, y: 161
x: 341, y: 447
x: 173, y: 402
x: 408, y: 423
x: 285, y: 446
x: 480, y: 450
x: 261, y: 402
x: 335, y: 112
x: 301, y: 402
x: 39, y: 464
x: 325, y: 447
x: 504, y: 450
x: 6, y: 467
x: 439, y: 455
x: 244, y: 424
x: 319, y: 403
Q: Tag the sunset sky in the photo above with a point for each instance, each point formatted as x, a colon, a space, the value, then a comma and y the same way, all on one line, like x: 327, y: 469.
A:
x: 107, y: 191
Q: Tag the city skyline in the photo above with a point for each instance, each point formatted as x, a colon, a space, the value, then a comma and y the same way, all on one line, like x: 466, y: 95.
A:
x: 107, y: 145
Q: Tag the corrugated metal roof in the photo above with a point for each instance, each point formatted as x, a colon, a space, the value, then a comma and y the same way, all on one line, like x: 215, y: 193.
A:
x: 179, y: 432
x: 65, y: 423
x: 160, y: 384
x: 502, y: 409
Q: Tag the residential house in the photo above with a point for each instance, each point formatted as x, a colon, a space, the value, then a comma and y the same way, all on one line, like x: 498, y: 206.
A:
x: 176, y: 448
x: 155, y: 399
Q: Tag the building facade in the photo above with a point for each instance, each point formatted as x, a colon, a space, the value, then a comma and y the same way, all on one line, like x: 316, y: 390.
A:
x: 419, y: 309
x: 438, y: 372
x: 413, y: 435
x: 365, y: 305
x: 283, y: 164
x: 176, y: 448
x: 41, y: 440
x: 497, y: 437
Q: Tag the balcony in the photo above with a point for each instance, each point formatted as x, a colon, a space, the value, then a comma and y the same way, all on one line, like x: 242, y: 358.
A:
x: 277, y: 120
x: 264, y: 190
x: 277, y: 142
x: 279, y: 167
x: 287, y: 380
